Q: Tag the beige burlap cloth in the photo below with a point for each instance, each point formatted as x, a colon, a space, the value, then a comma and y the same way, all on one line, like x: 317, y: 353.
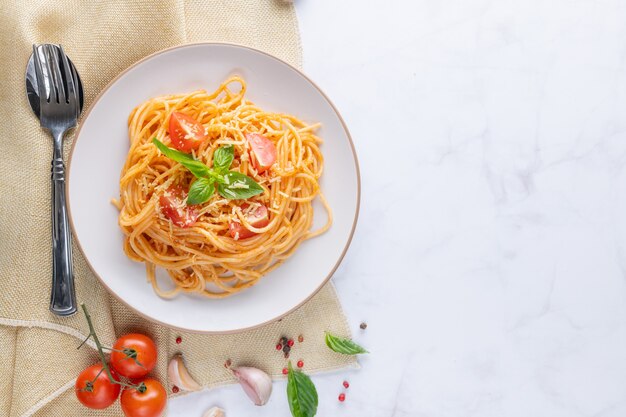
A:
x: 38, y: 356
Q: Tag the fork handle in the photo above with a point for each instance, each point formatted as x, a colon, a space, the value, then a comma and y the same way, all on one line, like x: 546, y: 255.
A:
x: 63, y: 296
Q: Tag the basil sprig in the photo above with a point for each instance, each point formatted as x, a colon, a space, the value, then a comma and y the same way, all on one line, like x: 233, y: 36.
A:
x: 237, y: 185
x: 223, y: 157
x: 200, y: 191
x: 301, y: 394
x: 231, y: 185
x: 341, y: 345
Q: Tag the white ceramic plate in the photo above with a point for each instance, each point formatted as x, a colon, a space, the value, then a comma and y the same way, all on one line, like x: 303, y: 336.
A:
x: 100, y: 150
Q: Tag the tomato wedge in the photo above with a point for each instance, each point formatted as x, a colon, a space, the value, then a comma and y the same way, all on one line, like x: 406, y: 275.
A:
x: 258, y: 217
x: 174, y: 208
x: 186, y: 133
x: 262, y: 152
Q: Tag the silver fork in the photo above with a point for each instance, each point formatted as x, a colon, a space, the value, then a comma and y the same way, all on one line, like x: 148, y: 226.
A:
x: 59, y: 110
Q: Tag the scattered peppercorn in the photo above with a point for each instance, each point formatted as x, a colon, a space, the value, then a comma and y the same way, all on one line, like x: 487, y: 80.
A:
x: 346, y: 384
x: 286, y: 348
x: 287, y: 355
x: 279, y: 346
x: 342, y: 397
x: 175, y: 389
x: 179, y: 340
x: 300, y: 363
x: 284, y: 340
x: 363, y: 326
x: 290, y: 342
x: 300, y: 338
x: 285, y: 371
x: 227, y: 363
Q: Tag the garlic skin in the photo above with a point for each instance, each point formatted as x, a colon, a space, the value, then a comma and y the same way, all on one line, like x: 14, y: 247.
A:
x: 214, y: 412
x: 255, y: 383
x: 179, y: 376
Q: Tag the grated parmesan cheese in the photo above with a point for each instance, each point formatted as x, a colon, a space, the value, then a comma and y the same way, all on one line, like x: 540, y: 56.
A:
x: 240, y: 184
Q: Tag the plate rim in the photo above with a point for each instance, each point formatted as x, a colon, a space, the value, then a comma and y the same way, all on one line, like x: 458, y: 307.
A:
x: 280, y: 61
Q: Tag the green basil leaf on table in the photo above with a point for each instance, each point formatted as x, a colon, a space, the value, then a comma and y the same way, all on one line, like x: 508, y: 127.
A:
x: 196, y: 167
x: 223, y: 158
x: 200, y: 191
x: 237, y: 186
x: 341, y: 345
x: 301, y: 394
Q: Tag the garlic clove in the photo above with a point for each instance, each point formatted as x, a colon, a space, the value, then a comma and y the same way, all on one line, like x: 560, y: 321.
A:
x: 214, y: 412
x: 179, y: 376
x: 256, y: 384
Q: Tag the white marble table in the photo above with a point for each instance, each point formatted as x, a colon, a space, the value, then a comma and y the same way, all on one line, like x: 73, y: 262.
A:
x: 490, y: 256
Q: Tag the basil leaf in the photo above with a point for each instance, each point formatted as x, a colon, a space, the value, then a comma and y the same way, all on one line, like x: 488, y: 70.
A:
x: 223, y: 157
x: 196, y: 167
x: 200, y: 191
x: 341, y: 345
x: 237, y: 186
x: 301, y: 394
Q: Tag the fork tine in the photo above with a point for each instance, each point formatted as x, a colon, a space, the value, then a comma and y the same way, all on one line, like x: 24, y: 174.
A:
x: 62, y: 84
x: 47, y: 67
x: 72, y: 96
x: 41, y: 85
x: 58, y: 77
x: 77, y: 94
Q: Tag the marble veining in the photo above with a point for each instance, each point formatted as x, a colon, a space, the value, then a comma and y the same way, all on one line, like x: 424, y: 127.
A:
x: 490, y: 256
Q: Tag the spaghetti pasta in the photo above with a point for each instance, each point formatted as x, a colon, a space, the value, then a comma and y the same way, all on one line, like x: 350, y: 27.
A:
x: 204, y: 257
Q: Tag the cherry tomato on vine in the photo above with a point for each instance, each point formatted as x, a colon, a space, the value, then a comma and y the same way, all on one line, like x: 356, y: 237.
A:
x: 149, y: 403
x: 94, y: 389
x: 134, y: 355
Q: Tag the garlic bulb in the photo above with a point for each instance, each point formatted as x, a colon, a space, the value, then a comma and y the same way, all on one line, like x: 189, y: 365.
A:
x: 179, y: 376
x: 255, y: 383
x: 214, y: 412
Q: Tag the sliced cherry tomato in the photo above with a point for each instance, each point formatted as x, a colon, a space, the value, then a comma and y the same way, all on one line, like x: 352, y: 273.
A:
x: 134, y: 355
x: 150, y: 403
x: 173, y: 206
x: 257, y: 218
x: 102, y: 393
x: 262, y: 152
x: 186, y: 133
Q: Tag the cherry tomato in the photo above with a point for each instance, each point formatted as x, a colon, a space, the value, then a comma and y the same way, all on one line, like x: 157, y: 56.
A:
x: 134, y: 355
x: 102, y: 393
x: 150, y: 403
x: 173, y: 207
x: 263, y: 152
x: 258, y: 218
x: 186, y: 133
